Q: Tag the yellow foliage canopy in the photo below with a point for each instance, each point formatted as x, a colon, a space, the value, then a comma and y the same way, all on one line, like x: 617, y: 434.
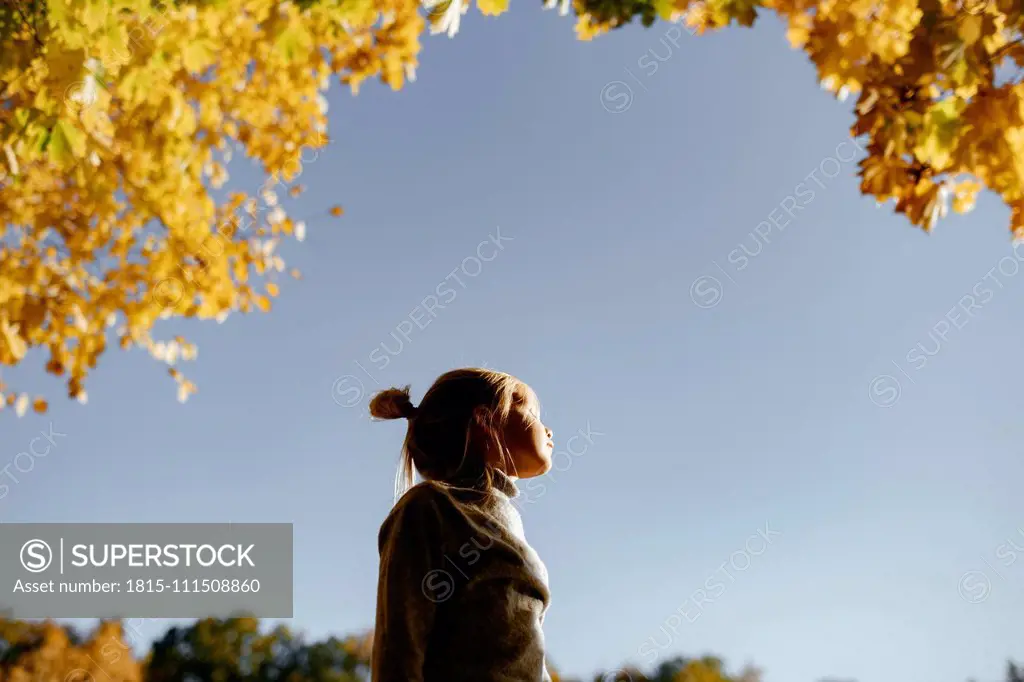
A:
x: 938, y: 84
x: 118, y: 118
x: 48, y: 654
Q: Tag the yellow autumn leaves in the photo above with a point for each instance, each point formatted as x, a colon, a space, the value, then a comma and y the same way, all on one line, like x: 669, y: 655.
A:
x: 45, y: 651
x: 119, y: 119
x: 937, y: 83
x: 940, y: 120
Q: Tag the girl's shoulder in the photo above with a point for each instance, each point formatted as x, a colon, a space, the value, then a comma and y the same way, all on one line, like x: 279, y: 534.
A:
x: 423, y: 496
x: 423, y: 508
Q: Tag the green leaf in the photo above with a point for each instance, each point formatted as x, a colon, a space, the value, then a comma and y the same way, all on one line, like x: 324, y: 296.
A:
x: 293, y: 41
x: 941, y: 127
x: 959, y: 71
x: 66, y: 143
x: 40, y: 140
x: 22, y: 117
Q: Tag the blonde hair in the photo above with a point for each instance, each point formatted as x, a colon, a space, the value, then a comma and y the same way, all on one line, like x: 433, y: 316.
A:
x: 449, y: 434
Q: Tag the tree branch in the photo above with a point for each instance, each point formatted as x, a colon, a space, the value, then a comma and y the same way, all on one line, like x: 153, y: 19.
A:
x: 1001, y: 52
x: 30, y: 24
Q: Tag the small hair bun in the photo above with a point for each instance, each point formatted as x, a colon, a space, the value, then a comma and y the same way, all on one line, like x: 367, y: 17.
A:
x: 392, y: 403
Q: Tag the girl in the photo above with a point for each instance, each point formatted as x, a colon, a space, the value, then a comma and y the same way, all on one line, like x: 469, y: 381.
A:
x: 461, y: 595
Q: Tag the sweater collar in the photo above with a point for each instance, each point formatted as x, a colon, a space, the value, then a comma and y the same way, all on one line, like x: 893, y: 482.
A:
x: 501, y: 483
x: 504, y: 483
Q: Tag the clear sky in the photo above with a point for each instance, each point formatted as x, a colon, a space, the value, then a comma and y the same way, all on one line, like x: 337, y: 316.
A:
x: 707, y: 422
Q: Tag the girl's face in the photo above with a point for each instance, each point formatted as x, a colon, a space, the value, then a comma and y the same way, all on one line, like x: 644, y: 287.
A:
x: 529, y: 442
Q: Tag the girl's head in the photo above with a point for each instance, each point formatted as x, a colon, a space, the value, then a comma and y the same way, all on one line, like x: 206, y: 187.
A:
x: 470, y: 422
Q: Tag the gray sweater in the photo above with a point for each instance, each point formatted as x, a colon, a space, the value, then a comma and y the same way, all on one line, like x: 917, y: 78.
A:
x: 461, y: 595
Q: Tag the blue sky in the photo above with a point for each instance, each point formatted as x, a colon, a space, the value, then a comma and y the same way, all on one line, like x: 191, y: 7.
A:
x: 781, y: 395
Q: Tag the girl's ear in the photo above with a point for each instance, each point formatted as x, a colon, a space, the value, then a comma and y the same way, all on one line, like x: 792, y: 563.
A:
x: 482, y: 415
x: 487, y: 433
x: 482, y: 423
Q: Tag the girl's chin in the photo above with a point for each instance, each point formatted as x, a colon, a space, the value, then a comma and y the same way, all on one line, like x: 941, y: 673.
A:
x: 538, y: 467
